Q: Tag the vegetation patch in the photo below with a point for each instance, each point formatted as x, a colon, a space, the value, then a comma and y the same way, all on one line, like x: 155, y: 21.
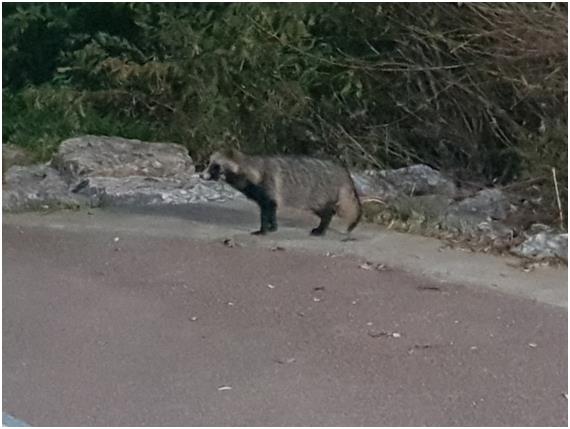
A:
x: 478, y: 91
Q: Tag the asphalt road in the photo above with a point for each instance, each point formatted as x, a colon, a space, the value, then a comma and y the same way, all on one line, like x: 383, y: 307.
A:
x: 170, y: 331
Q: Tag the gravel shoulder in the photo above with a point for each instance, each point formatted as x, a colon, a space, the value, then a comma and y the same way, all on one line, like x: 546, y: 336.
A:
x: 215, y: 222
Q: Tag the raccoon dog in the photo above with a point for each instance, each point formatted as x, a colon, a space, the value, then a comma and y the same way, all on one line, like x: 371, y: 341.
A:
x: 320, y: 186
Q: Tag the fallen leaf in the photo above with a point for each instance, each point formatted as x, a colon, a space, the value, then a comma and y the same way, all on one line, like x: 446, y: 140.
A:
x: 229, y: 242
x: 381, y: 267
x: 428, y: 287
x: 319, y: 288
x: 285, y: 361
x: 222, y: 388
x: 532, y: 345
x: 419, y: 347
x: 366, y: 266
x: 277, y: 248
x: 270, y: 286
x: 378, y: 334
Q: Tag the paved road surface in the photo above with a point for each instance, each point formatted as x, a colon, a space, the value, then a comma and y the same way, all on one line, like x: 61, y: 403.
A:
x: 155, y: 329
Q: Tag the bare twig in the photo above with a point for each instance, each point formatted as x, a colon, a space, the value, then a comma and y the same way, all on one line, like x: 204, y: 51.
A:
x: 560, y: 212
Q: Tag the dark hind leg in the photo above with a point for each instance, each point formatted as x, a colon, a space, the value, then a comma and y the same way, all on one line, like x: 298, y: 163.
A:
x: 326, y: 214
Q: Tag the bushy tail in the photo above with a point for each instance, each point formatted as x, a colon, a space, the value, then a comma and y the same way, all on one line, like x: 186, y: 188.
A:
x: 349, y: 207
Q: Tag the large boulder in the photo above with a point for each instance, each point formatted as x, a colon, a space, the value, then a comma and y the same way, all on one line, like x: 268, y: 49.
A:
x: 35, y: 187
x: 483, y: 211
x: 415, y: 180
x: 85, y: 156
x: 486, y: 204
x: 151, y: 191
x: 419, y: 179
x: 368, y: 184
x: 544, y: 244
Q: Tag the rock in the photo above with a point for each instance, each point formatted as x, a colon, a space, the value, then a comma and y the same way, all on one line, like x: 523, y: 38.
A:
x: 84, y: 156
x: 486, y: 204
x: 149, y: 191
x: 543, y: 245
x: 481, y: 214
x: 419, y: 180
x: 14, y: 155
x: 409, y: 181
x: 369, y: 184
x: 35, y: 187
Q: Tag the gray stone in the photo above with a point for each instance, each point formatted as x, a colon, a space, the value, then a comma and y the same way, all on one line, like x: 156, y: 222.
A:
x: 369, y: 184
x: 84, y: 156
x: 481, y: 214
x: 151, y: 191
x: 415, y: 180
x: 488, y: 204
x: 35, y: 187
x: 466, y: 223
x: 544, y: 245
x: 419, y: 180
x: 14, y: 155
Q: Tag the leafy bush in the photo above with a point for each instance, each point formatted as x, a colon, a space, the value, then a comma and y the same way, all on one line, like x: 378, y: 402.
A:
x: 477, y: 90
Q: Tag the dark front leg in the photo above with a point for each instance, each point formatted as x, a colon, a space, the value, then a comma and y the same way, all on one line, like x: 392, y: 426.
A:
x: 267, y: 207
x: 326, y: 216
x: 268, y: 218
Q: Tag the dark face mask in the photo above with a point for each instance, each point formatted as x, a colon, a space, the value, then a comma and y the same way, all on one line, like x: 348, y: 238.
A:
x: 213, y: 172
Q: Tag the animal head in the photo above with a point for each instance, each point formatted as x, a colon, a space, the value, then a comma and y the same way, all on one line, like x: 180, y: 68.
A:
x: 222, y: 162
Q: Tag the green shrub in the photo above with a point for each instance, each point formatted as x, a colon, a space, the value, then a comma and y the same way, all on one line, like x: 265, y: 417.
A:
x: 477, y: 90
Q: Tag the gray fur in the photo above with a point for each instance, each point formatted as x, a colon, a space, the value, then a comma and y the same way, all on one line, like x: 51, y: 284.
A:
x: 320, y: 186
